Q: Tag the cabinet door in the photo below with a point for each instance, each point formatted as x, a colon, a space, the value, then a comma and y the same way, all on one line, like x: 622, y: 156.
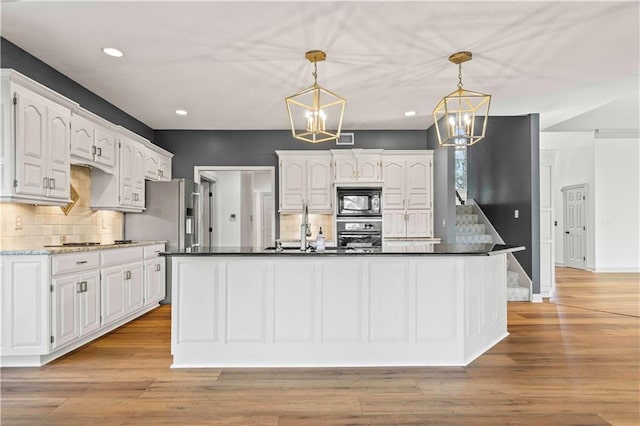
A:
x: 346, y: 170
x: 154, y: 281
x: 418, y: 184
x: 152, y: 166
x: 90, y: 302
x: 82, y: 138
x: 138, y: 176
x: 319, y: 184
x: 419, y: 223
x: 59, y: 160
x: 31, y: 142
x: 369, y: 168
x: 292, y: 184
x: 394, y: 223
x: 64, y: 310
x: 394, y: 184
x: 113, y: 294
x: 134, y: 284
x: 105, y: 142
x: 165, y: 168
x: 127, y: 156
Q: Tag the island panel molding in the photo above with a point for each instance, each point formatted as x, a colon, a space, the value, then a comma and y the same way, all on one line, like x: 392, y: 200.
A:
x: 347, y: 311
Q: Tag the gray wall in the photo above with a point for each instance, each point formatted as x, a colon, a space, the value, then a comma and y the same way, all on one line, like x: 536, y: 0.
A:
x: 11, y: 56
x: 257, y: 147
x: 444, y: 197
x: 503, y: 175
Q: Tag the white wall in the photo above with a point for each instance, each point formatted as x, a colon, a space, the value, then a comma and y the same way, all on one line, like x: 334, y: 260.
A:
x: 610, y: 168
x: 617, y: 211
x: 229, y: 202
x: 574, y: 165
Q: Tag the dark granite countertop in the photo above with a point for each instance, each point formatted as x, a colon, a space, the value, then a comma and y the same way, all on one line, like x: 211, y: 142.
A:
x: 427, y: 249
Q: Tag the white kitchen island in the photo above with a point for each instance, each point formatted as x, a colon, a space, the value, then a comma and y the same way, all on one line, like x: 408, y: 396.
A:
x: 401, y: 306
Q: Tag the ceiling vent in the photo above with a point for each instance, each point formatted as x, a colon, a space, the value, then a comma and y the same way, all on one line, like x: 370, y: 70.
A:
x: 345, y: 139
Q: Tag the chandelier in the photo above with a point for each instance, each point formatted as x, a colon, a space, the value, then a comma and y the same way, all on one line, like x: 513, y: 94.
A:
x: 461, y: 116
x: 315, y: 113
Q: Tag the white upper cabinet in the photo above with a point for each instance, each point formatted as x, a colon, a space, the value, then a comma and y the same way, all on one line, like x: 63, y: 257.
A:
x: 157, y: 166
x: 305, y: 177
x: 34, y: 155
x: 407, y: 194
x: 124, y: 190
x: 93, y: 141
x: 357, y: 165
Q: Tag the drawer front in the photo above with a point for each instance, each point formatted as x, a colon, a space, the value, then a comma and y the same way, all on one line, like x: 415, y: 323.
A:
x: 74, y: 262
x: 119, y: 256
x: 152, y: 251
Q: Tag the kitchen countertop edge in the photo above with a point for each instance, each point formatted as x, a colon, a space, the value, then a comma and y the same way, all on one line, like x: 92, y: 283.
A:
x: 75, y: 249
x: 440, y: 250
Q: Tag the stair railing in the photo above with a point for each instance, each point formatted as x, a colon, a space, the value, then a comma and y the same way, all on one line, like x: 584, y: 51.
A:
x: 459, y: 198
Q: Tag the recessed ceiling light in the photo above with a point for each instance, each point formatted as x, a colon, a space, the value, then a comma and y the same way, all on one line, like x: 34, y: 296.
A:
x: 181, y: 112
x: 112, y: 51
x: 409, y: 113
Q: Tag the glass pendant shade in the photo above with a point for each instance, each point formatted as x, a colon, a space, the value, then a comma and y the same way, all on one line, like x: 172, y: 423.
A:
x: 461, y: 116
x: 315, y: 113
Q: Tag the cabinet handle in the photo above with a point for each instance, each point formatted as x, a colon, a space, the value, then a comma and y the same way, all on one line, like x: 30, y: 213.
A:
x: 127, y: 275
x: 45, y: 182
x: 158, y: 267
x: 52, y: 183
x: 83, y: 286
x: 81, y: 262
x: 99, y: 152
x: 93, y: 150
x: 79, y: 287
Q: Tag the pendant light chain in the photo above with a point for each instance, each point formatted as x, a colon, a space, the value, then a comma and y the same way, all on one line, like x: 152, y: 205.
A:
x: 459, y: 76
x: 315, y: 73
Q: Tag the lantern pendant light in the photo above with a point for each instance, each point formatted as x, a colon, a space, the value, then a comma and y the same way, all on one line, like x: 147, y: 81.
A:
x: 315, y: 113
x: 461, y: 116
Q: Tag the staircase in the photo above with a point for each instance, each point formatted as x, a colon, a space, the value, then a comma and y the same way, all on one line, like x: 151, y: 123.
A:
x: 469, y: 231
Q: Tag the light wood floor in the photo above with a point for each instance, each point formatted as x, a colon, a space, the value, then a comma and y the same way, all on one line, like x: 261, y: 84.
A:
x: 573, y: 360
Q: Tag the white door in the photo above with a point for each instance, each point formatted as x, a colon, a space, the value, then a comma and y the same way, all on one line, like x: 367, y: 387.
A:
x: 394, y: 223
x: 394, y: 184
x: 418, y: 184
x: 292, y: 184
x: 134, y: 283
x: 105, y: 147
x: 82, y: 138
x: 138, y: 176
x: 31, y: 142
x: 419, y: 223
x: 547, y: 227
x: 575, y: 226
x: 90, y: 302
x: 112, y: 300
x: 127, y: 156
x: 66, y: 324
x: 267, y: 220
x: 368, y: 168
x: 58, y: 166
x: 319, y: 184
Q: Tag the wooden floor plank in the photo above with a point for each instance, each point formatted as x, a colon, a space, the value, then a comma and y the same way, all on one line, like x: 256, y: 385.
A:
x: 574, y: 359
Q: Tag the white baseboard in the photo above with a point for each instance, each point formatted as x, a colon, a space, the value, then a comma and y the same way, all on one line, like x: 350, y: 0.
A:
x: 536, y: 298
x: 618, y: 269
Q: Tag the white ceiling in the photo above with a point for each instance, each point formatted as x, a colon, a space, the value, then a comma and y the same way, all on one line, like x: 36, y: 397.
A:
x: 231, y: 64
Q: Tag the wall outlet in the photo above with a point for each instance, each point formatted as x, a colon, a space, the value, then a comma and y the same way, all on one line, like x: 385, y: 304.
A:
x: 516, y: 213
x: 18, y: 222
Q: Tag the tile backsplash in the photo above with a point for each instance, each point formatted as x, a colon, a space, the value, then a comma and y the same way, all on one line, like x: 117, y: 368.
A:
x: 290, y: 226
x: 47, y: 225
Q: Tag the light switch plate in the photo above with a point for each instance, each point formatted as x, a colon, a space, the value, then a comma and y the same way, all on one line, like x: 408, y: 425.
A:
x: 516, y: 213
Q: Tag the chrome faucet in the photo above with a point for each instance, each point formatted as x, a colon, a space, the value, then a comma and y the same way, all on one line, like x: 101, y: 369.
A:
x: 305, y: 228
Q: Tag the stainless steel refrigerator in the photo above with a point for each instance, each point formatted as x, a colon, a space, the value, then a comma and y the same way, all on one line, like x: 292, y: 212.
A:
x: 173, y: 213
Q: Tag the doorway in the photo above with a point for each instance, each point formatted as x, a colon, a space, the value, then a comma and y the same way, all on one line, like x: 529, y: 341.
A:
x: 575, y: 201
x: 547, y: 223
x: 241, y: 208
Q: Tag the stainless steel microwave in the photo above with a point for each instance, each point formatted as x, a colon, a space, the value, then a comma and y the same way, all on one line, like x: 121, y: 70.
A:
x: 359, y: 202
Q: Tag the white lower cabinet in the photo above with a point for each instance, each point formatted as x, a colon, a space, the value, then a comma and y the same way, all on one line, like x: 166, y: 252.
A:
x: 52, y: 304
x: 122, y: 283
x: 155, y: 278
x: 75, y: 307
